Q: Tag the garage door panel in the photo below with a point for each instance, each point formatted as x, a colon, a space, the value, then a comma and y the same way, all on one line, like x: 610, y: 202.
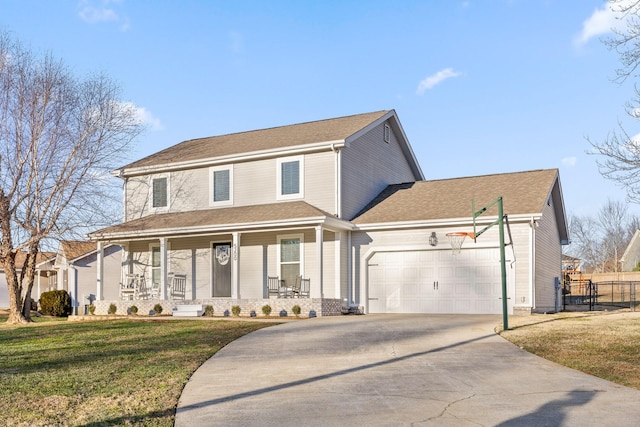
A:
x: 435, y: 282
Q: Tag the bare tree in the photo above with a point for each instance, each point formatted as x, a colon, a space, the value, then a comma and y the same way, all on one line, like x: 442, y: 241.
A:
x: 620, y: 151
x: 601, y: 241
x: 59, y: 136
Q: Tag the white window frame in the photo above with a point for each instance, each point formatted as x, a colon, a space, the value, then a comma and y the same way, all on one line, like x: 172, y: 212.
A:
x: 159, y: 208
x: 212, y: 171
x: 279, y: 262
x: 300, y: 193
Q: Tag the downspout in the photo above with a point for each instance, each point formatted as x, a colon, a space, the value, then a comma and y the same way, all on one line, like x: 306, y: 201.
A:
x: 338, y: 182
x: 532, y: 263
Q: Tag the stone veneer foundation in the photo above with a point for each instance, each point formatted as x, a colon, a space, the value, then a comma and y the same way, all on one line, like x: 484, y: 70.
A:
x: 309, y: 307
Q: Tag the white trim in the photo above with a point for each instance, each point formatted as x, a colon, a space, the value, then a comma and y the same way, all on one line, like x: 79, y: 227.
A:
x: 212, y: 170
x: 159, y: 208
x: 300, y: 193
x: 281, y: 237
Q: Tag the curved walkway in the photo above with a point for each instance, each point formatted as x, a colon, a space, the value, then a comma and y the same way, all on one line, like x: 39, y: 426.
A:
x: 393, y: 370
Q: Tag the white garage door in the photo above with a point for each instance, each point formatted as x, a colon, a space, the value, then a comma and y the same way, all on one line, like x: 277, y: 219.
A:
x: 435, y: 282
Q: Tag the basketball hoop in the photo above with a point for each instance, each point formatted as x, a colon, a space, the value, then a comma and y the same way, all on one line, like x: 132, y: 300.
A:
x: 456, y: 239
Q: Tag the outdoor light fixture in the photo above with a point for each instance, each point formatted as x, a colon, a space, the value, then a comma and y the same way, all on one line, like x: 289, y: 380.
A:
x: 433, y: 239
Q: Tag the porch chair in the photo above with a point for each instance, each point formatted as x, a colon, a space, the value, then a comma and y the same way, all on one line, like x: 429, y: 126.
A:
x: 128, y: 289
x: 142, y: 291
x: 178, y: 286
x: 295, y: 288
x: 305, y: 288
x: 273, y: 286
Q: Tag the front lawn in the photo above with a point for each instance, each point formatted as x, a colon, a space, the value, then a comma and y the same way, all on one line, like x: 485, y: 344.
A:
x: 106, y: 373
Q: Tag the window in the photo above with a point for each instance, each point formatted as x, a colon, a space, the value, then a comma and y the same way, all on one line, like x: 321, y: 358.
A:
x: 221, y: 185
x: 155, y: 266
x: 290, y: 178
x: 159, y: 192
x: 290, y: 257
x: 387, y: 133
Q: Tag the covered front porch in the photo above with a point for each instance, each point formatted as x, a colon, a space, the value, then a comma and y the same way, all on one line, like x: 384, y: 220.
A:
x: 228, y: 264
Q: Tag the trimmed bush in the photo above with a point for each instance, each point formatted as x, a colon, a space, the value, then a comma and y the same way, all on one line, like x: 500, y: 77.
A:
x: 157, y: 309
x: 266, y: 310
x: 296, y: 310
x: 92, y: 309
x: 133, y: 309
x: 208, y: 310
x: 55, y: 303
x: 235, y: 310
x: 112, y: 308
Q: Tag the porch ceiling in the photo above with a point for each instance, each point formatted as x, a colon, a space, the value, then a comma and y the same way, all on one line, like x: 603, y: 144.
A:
x: 286, y: 214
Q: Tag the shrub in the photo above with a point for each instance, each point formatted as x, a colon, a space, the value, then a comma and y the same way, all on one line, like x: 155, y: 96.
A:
x: 55, y: 303
x: 208, y: 310
x: 112, y: 308
x: 266, y: 310
x: 133, y: 309
x: 235, y: 310
x: 283, y: 313
x: 296, y: 310
x: 157, y: 309
x: 92, y: 309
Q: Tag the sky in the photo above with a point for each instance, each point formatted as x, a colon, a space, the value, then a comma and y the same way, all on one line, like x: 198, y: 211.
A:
x: 480, y: 86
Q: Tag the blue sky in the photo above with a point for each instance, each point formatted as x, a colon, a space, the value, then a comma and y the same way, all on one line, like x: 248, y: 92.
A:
x: 480, y: 86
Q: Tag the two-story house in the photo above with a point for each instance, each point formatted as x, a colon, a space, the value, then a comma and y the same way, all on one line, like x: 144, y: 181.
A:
x: 341, y: 202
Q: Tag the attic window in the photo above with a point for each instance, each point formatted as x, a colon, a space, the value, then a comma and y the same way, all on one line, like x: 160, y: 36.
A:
x: 387, y: 133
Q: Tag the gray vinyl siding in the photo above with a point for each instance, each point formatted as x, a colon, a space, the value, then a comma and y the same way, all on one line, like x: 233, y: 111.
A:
x: 369, y: 164
x: 87, y: 272
x: 548, y: 260
x: 521, y: 233
x: 254, y: 183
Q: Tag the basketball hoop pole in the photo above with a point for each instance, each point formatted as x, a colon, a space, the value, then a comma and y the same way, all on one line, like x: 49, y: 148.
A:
x: 503, y: 267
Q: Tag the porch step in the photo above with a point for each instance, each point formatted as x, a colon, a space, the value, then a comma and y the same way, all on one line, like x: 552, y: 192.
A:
x: 193, y: 310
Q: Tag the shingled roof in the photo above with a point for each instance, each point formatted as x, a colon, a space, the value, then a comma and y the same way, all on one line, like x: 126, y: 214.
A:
x: 336, y: 129
x: 522, y: 192
x: 205, y: 220
x: 74, y: 249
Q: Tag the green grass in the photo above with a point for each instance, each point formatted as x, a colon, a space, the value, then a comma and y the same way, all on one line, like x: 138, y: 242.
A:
x: 106, y: 373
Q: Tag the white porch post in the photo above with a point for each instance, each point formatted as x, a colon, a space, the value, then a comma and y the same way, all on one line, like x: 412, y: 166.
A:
x: 337, y: 242
x: 235, y: 265
x: 316, y: 290
x: 100, y: 272
x: 73, y: 284
x: 163, y: 268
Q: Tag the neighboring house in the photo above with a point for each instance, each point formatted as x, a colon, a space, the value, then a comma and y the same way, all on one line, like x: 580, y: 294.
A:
x: 75, y: 270
x: 44, y: 261
x: 570, y: 264
x: 631, y: 256
x: 342, y: 202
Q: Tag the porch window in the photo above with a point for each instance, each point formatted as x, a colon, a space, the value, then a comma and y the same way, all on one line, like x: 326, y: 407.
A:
x: 155, y: 266
x: 290, y: 178
x: 221, y: 185
x: 290, y: 257
x: 159, y: 192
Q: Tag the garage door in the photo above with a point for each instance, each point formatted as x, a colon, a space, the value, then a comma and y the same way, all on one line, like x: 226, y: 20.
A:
x: 435, y: 282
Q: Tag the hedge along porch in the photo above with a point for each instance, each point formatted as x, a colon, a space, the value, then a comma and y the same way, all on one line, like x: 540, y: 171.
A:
x: 227, y: 267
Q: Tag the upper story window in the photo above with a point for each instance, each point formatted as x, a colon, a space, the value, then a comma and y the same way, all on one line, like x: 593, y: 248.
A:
x: 290, y: 178
x: 221, y: 179
x: 159, y: 192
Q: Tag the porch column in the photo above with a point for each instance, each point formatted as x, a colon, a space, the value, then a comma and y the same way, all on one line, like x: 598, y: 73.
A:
x: 163, y: 268
x: 337, y: 242
x: 72, y: 277
x: 316, y: 289
x: 100, y: 271
x: 235, y: 265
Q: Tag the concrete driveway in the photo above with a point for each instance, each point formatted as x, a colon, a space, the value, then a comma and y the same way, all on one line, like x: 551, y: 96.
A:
x: 395, y: 370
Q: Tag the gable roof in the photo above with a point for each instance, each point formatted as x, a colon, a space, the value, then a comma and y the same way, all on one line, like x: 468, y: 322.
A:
x: 73, y: 249
x: 21, y: 257
x: 289, y: 214
x: 523, y: 193
x: 324, y: 132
